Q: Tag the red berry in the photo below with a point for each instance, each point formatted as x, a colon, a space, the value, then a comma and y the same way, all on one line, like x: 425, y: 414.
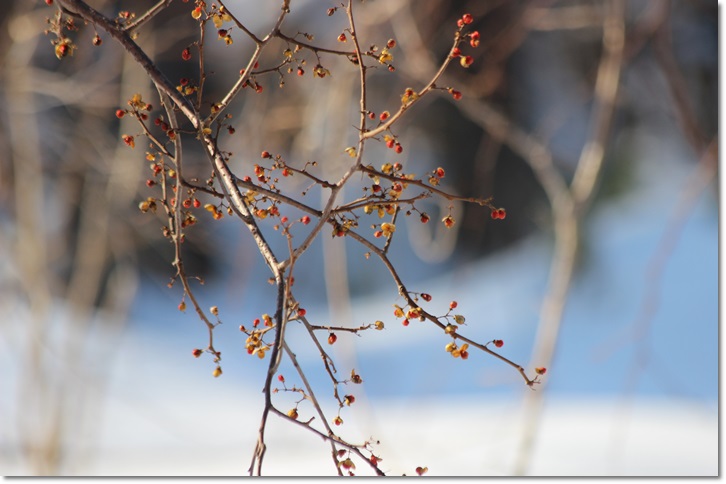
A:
x: 300, y: 71
x: 120, y: 113
x: 398, y: 148
x: 495, y: 214
x: 440, y: 172
x: 467, y: 18
x: 498, y: 343
x: 405, y: 322
x: 301, y: 312
x: 455, y: 52
x: 453, y: 304
x: 391, y: 143
x: 455, y: 94
x: 426, y: 297
x: 197, y: 353
x: 281, y: 378
x: 266, y: 154
x: 196, y: 203
x: 424, y: 218
x: 540, y: 370
x: 460, y: 23
x: 187, y: 203
x: 332, y: 338
x: 501, y: 213
x: 305, y: 220
x: 383, y: 116
x: 466, y: 61
x: 186, y: 54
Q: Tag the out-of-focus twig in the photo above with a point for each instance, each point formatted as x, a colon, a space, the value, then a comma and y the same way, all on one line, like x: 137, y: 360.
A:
x: 568, y: 209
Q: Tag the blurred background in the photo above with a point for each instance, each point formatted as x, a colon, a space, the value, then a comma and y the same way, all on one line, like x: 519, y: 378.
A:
x: 593, y: 123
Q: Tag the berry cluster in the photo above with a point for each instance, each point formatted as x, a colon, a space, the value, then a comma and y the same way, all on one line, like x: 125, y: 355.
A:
x: 266, y: 193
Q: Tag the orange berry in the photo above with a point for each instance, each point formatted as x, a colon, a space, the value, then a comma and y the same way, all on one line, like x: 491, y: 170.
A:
x: 540, y: 370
